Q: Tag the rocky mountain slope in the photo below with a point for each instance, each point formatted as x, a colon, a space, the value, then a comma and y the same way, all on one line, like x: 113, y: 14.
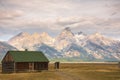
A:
x: 4, y: 47
x: 70, y: 45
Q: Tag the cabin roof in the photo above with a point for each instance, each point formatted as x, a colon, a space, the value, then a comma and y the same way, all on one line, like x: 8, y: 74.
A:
x: 28, y: 56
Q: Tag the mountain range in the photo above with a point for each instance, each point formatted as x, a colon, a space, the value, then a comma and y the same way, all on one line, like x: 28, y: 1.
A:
x: 67, y: 45
x: 4, y: 47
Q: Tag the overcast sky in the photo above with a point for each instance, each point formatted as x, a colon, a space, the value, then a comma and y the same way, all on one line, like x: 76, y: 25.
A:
x: 51, y: 16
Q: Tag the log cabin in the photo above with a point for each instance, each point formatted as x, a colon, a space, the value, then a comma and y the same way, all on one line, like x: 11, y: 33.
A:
x: 17, y: 61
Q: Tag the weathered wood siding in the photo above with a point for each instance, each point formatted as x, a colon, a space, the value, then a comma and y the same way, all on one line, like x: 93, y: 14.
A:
x: 8, y: 67
x: 41, y: 65
x: 7, y: 58
x: 31, y: 66
x: 7, y: 64
x: 22, y: 66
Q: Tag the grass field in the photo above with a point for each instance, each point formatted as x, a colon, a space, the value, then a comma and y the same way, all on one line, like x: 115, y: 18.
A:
x: 71, y: 71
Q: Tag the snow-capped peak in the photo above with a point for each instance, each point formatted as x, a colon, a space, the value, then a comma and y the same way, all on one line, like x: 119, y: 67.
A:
x: 23, y: 34
x: 79, y: 36
x: 44, y: 34
x: 65, y: 34
x: 80, y: 33
x: 96, y: 35
x: 100, y: 39
x: 67, y: 31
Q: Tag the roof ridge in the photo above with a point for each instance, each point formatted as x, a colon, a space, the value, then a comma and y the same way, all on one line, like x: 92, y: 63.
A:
x: 24, y: 51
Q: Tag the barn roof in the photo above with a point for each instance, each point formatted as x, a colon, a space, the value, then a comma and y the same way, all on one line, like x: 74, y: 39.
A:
x: 28, y: 56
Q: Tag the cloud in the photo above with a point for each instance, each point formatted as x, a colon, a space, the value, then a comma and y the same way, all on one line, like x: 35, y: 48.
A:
x: 89, y: 25
x: 52, y: 16
x: 10, y: 14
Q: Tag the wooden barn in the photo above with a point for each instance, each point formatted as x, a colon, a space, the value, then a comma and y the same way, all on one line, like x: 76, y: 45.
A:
x: 17, y: 61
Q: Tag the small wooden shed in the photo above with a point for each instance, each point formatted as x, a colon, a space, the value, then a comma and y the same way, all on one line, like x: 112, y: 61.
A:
x: 15, y: 61
x: 57, y: 65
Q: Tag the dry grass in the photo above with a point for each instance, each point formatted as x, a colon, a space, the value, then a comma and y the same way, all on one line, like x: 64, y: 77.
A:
x: 70, y: 71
